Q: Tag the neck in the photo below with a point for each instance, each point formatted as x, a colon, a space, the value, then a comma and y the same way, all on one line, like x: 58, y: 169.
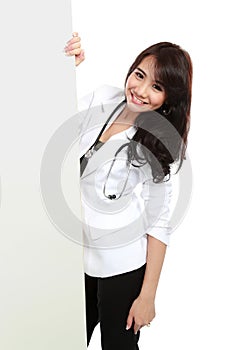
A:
x: 127, y: 116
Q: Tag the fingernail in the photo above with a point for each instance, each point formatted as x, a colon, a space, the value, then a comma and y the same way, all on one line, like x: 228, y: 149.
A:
x: 127, y: 328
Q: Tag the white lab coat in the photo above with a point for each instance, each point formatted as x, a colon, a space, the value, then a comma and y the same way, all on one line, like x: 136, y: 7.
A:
x: 115, y: 231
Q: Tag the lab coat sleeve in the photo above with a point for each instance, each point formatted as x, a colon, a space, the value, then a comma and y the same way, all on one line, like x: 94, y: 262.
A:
x: 157, y: 202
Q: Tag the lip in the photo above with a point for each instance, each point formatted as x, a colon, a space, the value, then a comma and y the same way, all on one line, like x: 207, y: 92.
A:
x: 136, y: 100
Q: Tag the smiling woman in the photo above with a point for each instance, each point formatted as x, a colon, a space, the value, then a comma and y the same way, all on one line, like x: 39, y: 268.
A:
x: 143, y: 133
x: 142, y: 89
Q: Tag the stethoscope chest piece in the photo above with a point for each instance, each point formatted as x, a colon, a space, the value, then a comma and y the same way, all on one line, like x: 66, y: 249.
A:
x: 111, y: 196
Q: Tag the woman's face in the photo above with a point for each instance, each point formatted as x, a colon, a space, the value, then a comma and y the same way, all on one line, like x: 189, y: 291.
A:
x: 142, y: 92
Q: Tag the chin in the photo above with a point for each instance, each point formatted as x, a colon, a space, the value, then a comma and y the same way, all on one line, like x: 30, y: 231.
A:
x: 137, y: 108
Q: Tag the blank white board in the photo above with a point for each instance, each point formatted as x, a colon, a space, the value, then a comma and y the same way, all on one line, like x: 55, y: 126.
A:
x: 41, y: 273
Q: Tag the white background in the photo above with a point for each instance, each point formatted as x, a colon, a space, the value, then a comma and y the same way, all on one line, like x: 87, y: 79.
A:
x: 194, y: 300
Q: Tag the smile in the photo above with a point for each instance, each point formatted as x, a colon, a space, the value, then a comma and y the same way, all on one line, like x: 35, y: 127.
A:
x: 136, y: 100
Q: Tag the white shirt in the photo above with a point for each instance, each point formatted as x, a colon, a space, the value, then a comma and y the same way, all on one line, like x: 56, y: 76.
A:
x: 115, y: 231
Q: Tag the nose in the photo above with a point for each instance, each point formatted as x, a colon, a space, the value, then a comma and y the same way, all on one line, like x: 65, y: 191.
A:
x: 141, y: 90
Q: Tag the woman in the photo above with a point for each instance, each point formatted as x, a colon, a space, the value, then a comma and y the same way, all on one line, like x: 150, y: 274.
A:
x: 125, y: 244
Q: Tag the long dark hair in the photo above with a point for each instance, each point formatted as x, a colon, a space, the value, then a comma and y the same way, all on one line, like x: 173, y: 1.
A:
x: 164, y: 132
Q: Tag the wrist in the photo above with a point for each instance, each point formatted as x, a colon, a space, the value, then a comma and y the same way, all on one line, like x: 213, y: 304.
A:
x: 147, y: 294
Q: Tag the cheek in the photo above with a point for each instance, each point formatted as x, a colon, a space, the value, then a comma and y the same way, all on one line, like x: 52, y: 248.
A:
x: 158, y: 100
x: 130, y: 82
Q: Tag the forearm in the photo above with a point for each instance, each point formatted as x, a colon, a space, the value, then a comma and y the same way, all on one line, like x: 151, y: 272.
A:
x: 156, y: 251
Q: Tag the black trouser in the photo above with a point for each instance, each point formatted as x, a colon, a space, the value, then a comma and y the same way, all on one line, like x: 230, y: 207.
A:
x: 108, y: 301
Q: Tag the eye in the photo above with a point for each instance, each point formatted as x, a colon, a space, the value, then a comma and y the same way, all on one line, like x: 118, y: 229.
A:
x: 139, y: 75
x: 157, y: 87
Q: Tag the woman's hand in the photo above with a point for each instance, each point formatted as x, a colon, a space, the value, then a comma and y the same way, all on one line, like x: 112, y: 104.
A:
x: 73, y: 48
x: 142, y: 312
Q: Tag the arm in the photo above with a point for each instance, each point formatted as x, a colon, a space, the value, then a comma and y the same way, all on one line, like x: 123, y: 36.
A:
x: 157, y: 198
x: 155, y: 257
x: 142, y: 311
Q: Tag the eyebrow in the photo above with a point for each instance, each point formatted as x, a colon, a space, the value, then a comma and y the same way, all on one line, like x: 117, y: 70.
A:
x: 141, y: 70
x: 157, y: 81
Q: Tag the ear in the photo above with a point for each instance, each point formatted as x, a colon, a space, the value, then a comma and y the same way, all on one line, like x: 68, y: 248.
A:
x: 165, y: 109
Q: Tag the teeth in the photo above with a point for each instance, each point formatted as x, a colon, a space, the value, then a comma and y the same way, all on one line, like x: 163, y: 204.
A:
x: 137, y: 99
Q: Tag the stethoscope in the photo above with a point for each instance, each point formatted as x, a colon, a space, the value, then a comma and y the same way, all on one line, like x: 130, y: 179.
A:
x: 114, y: 196
x: 84, y: 159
